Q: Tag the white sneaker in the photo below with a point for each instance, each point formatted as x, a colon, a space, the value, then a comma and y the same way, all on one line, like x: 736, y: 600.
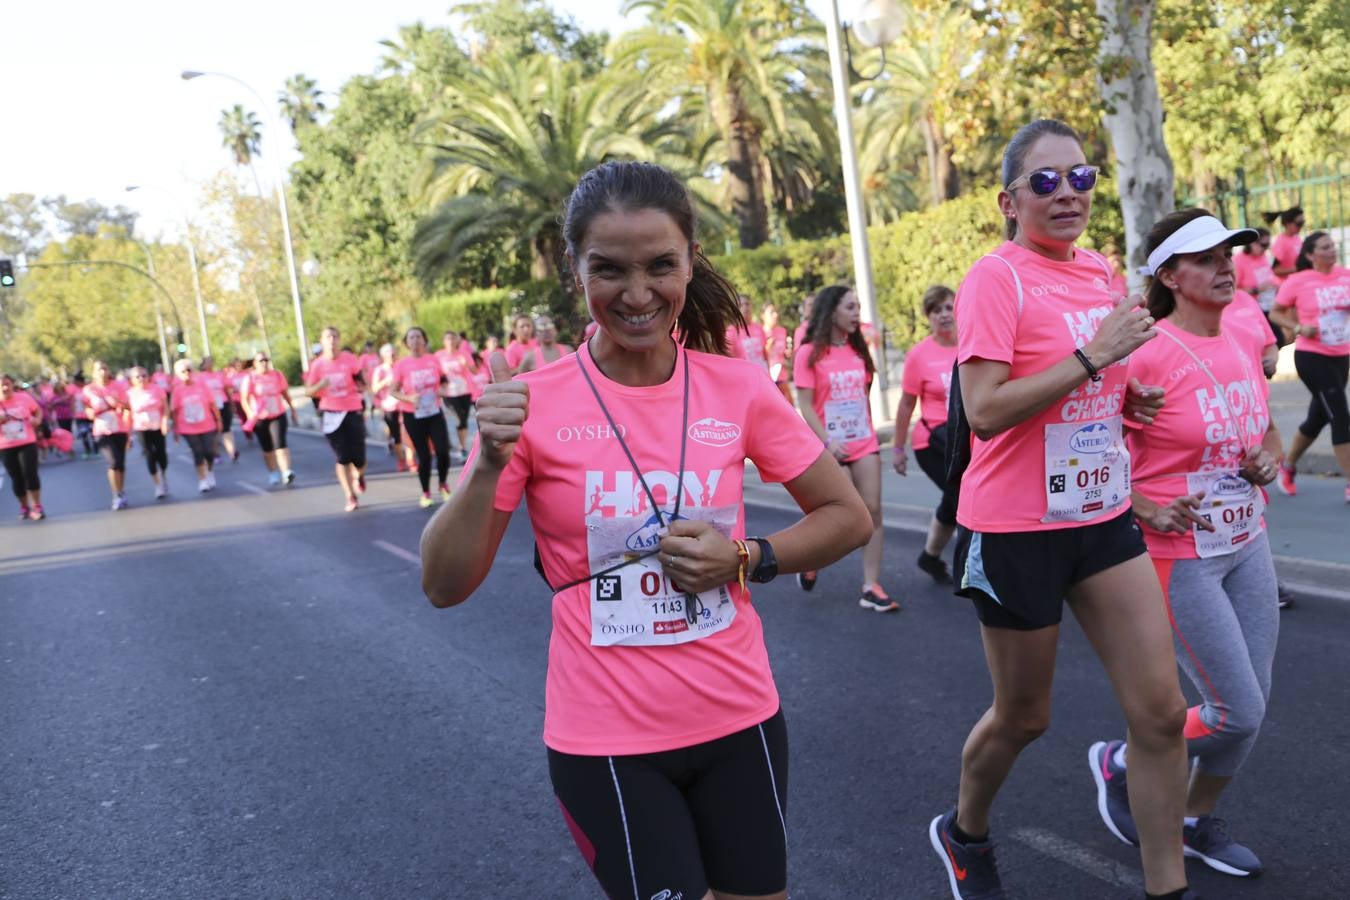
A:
x: 211, y: 478
x: 203, y: 485
x: 273, y: 479
x: 161, y: 491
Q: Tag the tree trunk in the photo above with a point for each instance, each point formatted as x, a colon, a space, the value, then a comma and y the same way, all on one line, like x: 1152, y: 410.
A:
x: 1134, y: 117
x: 944, y: 181
x: 745, y: 185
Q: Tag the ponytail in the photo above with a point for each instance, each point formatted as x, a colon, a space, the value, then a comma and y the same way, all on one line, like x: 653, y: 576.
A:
x: 711, y: 307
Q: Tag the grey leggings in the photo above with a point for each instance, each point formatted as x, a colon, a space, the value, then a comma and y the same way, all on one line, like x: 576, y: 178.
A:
x: 1225, y: 623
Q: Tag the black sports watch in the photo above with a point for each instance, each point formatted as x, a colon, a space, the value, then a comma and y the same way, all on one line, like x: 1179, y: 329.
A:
x: 767, y: 570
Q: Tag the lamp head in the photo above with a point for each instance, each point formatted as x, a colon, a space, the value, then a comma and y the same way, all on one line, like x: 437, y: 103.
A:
x: 132, y: 187
x: 188, y: 74
x: 878, y: 22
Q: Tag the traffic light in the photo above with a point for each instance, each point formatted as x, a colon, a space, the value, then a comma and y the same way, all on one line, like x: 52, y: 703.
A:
x: 6, y: 273
x: 182, y: 348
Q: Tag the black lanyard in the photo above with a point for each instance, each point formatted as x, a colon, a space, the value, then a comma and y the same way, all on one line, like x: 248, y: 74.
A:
x: 692, y: 604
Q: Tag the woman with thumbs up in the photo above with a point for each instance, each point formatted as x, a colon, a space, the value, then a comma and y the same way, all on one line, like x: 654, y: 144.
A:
x: 674, y: 784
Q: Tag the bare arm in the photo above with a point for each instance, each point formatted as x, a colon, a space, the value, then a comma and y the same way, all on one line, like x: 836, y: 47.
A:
x: 904, y: 412
x: 461, y: 540
x: 1287, y: 317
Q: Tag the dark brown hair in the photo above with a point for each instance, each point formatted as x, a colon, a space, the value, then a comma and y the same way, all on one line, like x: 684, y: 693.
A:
x: 1286, y: 216
x: 1161, y: 302
x: 821, y: 328
x: 935, y: 296
x: 711, y: 302
x: 1305, y: 251
x: 1015, y: 154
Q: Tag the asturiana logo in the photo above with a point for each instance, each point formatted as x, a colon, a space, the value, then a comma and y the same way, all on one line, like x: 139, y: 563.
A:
x: 1231, y: 485
x: 713, y: 432
x: 1094, y: 438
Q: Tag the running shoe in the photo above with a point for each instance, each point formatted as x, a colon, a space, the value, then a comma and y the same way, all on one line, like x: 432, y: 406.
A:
x: 971, y: 868
x: 119, y: 501
x: 38, y: 513
x: 1207, y: 840
x: 161, y: 491
x: 1113, y: 802
x: 425, y: 500
x: 1284, y: 595
x: 1285, y: 482
x: 806, y: 580
x: 445, y: 492
x: 875, y: 598
x: 289, y: 478
x: 211, y: 479
x: 361, y: 483
x: 24, y: 512
x: 351, y: 506
x: 234, y: 457
x: 202, y: 486
x: 401, y: 465
x: 273, y: 479
x: 935, y: 567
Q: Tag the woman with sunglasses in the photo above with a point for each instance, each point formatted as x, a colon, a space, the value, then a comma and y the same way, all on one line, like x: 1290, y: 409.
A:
x: 1045, y: 505
x: 1288, y: 243
x: 196, y: 419
x: 666, y: 745
x: 150, y: 423
x: 106, y: 406
x: 833, y: 375
x: 19, y: 418
x: 927, y: 380
x: 265, y: 397
x: 1197, y: 472
x: 1314, y: 304
x: 418, y: 385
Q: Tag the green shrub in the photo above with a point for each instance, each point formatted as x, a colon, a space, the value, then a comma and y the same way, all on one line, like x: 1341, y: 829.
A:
x: 477, y: 313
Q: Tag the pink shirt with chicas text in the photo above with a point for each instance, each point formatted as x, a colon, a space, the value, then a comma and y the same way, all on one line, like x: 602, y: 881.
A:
x: 16, y: 426
x: 569, y: 467
x: 341, y: 394
x: 928, y: 376
x: 266, y: 391
x: 192, y: 403
x: 1194, y: 431
x: 1063, y: 302
x: 418, y: 376
x: 148, y: 405
x: 1322, y: 301
x: 839, y: 385
x: 108, y: 404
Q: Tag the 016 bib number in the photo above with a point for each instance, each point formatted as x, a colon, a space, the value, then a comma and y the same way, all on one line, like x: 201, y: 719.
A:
x: 1232, y: 505
x: 1087, y: 470
x: 846, y: 420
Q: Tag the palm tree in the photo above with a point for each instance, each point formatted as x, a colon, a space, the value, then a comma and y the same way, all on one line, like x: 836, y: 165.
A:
x: 754, y: 76
x: 242, y: 133
x: 517, y: 137
x: 301, y: 101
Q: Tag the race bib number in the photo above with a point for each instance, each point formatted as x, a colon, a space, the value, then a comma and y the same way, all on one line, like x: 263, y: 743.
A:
x: 459, y: 385
x: 1333, y: 327
x: 271, y: 406
x: 13, y: 430
x: 218, y: 395
x: 388, y: 403
x: 428, y: 405
x: 106, y: 423
x: 1266, y: 298
x: 147, y: 419
x: 639, y: 604
x: 193, y: 412
x: 847, y: 421
x: 1087, y: 470
x: 1232, y: 505
x: 332, y: 421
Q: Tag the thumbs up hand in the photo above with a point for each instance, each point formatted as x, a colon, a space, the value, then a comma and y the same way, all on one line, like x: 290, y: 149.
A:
x: 501, y: 413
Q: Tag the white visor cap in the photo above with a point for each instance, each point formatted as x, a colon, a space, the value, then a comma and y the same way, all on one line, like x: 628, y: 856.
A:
x: 1199, y: 234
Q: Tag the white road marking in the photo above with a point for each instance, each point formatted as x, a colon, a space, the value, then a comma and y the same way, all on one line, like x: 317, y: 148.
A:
x: 252, y: 487
x: 402, y: 554
x: 1081, y: 858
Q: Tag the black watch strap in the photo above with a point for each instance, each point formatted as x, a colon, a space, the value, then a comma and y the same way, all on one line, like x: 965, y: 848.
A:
x: 767, y: 570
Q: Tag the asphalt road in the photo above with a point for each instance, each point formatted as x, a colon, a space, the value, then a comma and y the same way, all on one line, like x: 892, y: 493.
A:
x: 246, y: 695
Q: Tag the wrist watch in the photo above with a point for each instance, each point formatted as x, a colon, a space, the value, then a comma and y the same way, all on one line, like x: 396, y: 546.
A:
x: 767, y: 569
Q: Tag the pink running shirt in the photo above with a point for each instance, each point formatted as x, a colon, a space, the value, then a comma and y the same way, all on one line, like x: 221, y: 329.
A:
x: 748, y: 343
x: 457, y: 366
x: 109, y: 404
x: 1255, y: 276
x: 839, y: 387
x: 192, y: 404
x: 1244, y: 312
x: 217, y: 382
x: 266, y: 391
x: 415, y: 376
x: 148, y: 407
x: 798, y: 335
x: 515, y: 351
x: 341, y: 394
x: 776, y: 349
x: 568, y: 466
x: 1323, y: 301
x: 16, y: 429
x: 928, y: 376
x: 1005, y: 488
x: 1194, y: 433
x: 1285, y: 248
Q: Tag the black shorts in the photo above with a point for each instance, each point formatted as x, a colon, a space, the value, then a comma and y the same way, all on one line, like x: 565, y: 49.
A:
x: 203, y: 447
x: 349, y: 440
x: 678, y: 822
x: 114, y: 450
x: 460, y: 406
x: 271, y: 433
x: 1019, y: 579
x: 226, y: 417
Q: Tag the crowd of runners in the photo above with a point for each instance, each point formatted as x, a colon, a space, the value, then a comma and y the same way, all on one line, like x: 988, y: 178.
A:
x: 1104, y: 452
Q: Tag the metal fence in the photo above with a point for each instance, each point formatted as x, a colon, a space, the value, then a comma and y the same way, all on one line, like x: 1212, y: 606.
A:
x: 1323, y: 192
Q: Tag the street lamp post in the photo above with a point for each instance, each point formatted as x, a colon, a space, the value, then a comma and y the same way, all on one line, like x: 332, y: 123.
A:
x: 192, y: 262
x: 159, y: 312
x: 188, y: 75
x: 878, y: 23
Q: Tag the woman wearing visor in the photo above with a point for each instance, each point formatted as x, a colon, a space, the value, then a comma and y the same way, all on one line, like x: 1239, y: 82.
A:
x: 1199, y: 469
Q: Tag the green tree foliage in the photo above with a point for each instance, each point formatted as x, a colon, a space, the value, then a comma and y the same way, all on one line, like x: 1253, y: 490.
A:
x: 301, y: 101
x: 241, y: 134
